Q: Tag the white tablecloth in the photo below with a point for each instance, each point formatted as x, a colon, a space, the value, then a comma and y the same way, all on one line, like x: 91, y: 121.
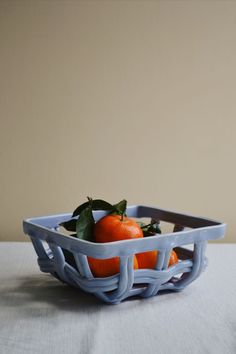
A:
x: 38, y: 314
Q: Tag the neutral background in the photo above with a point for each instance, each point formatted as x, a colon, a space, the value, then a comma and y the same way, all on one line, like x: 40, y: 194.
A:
x: 117, y: 99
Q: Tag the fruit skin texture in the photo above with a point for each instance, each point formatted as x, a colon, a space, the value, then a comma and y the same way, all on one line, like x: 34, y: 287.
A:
x: 107, y: 267
x: 112, y: 228
x: 149, y: 259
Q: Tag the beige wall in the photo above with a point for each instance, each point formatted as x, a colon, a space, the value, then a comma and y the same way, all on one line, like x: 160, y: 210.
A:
x: 115, y: 99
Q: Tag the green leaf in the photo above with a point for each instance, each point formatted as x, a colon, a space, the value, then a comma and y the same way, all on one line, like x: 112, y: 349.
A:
x: 141, y: 224
x: 85, y: 224
x: 80, y: 208
x: 99, y: 204
x: 151, y: 229
x: 69, y: 225
x: 157, y: 229
x: 120, y: 207
x: 96, y: 204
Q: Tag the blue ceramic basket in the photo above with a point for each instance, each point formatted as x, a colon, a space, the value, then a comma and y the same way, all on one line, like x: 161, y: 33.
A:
x: 51, y: 247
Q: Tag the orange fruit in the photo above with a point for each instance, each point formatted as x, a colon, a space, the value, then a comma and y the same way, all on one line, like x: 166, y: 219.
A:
x: 115, y: 228
x: 106, y: 267
x: 173, y: 258
x: 149, y: 259
x: 112, y: 228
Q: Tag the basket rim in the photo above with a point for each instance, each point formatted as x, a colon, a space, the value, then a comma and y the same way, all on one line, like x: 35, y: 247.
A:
x: 212, y: 230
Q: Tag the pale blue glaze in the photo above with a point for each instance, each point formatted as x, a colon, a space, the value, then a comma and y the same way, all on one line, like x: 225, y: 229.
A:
x: 148, y: 282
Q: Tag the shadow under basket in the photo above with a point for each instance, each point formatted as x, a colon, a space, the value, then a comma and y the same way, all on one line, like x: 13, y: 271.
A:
x: 65, y: 257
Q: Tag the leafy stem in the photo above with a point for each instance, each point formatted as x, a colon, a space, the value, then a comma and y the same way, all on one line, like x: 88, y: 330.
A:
x: 82, y: 227
x: 148, y: 225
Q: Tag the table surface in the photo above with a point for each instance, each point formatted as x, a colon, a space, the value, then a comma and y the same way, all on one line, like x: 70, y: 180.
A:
x: 38, y: 314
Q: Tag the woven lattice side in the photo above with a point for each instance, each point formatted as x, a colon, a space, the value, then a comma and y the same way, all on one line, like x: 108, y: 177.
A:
x: 128, y: 282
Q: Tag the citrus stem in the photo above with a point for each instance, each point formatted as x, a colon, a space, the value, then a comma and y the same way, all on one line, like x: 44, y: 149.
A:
x: 90, y: 200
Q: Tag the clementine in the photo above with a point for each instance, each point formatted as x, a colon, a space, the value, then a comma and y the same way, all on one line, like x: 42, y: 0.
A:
x: 115, y: 228
x: 112, y: 228
x: 149, y: 259
x: 107, y: 267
